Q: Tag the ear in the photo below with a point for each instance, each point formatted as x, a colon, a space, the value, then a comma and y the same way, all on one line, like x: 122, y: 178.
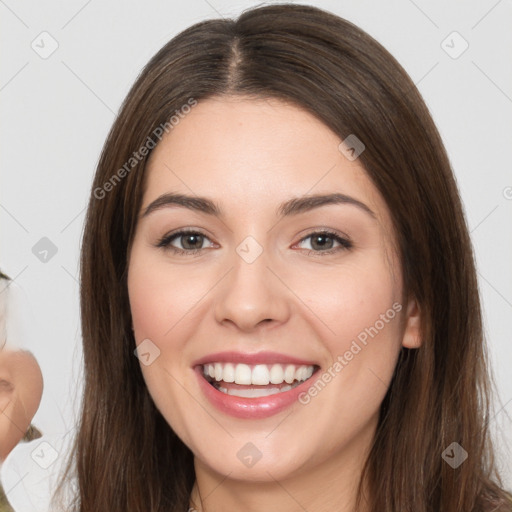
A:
x: 412, y: 332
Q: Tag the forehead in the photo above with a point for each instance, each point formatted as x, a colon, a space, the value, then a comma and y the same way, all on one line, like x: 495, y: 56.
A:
x: 254, y: 154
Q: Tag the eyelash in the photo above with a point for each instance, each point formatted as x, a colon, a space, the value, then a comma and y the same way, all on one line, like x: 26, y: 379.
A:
x: 345, y: 243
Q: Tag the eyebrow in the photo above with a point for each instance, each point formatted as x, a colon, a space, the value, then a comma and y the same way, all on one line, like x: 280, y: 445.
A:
x: 290, y: 207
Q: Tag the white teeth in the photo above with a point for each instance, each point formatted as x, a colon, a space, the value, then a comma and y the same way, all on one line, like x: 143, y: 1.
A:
x: 289, y: 374
x: 229, y: 373
x: 276, y: 374
x: 243, y: 374
x: 254, y: 392
x: 218, y: 372
x: 259, y: 375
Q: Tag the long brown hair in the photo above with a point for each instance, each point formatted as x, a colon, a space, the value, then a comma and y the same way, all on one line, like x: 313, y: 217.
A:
x: 126, y: 457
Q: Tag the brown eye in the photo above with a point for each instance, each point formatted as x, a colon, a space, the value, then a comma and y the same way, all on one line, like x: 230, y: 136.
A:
x: 322, y: 242
x: 191, y: 241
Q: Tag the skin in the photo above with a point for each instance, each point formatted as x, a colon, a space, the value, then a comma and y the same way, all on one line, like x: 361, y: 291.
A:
x: 21, y: 387
x: 249, y: 156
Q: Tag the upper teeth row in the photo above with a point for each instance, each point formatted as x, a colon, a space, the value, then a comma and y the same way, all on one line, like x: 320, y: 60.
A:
x: 260, y: 374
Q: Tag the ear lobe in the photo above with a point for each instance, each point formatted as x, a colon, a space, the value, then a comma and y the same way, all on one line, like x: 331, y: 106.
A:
x: 412, y: 331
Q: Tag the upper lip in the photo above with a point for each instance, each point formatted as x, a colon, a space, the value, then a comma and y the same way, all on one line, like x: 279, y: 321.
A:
x: 252, y: 358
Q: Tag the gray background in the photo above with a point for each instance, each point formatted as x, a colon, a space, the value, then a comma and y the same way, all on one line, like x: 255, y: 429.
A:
x: 56, y: 112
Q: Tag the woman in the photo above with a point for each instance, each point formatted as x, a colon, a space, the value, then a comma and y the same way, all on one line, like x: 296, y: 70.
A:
x: 228, y: 364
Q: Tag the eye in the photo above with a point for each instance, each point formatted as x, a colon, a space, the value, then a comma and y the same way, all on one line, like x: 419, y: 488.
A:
x: 192, y: 241
x: 324, y: 240
x: 5, y: 386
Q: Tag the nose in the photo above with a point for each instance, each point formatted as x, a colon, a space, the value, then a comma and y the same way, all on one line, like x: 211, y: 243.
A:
x: 251, y: 295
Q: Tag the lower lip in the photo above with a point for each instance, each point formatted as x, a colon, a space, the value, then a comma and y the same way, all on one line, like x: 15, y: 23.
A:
x: 250, y: 408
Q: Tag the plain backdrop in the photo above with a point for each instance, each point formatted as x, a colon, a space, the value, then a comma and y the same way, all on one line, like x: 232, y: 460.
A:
x: 56, y: 110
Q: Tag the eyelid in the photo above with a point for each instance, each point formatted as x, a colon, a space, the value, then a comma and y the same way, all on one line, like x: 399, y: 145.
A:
x: 324, y: 230
x: 166, y: 240
x: 344, y: 241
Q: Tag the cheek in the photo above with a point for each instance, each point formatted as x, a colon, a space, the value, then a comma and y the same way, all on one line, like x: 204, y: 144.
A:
x: 350, y: 299
x: 6, y: 395
x: 11, y: 424
x: 357, y: 311
x: 159, y: 297
x: 163, y: 303
x: 363, y: 342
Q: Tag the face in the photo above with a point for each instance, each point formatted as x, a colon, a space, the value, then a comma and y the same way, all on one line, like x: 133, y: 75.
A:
x: 21, y: 386
x: 293, y: 312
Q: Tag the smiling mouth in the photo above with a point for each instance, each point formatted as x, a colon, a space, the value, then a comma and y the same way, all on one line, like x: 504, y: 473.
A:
x: 254, y: 381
